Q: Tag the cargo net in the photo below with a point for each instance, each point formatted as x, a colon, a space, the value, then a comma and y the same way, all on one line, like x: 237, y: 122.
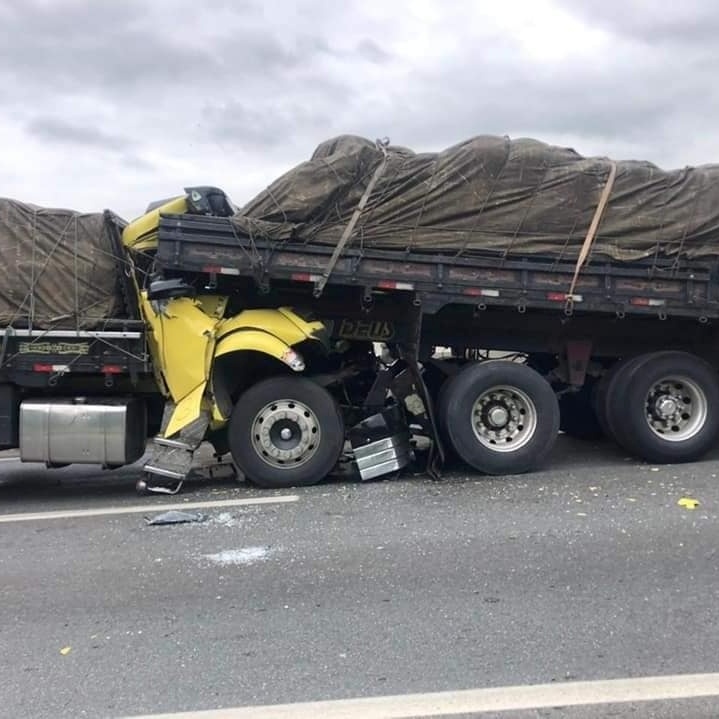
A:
x: 60, y: 269
x: 490, y: 196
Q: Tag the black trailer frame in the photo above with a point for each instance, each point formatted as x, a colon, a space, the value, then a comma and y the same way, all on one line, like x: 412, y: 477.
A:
x: 657, y: 287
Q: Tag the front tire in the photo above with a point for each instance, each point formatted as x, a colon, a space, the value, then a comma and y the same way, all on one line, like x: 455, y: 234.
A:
x: 286, y: 432
x: 501, y: 417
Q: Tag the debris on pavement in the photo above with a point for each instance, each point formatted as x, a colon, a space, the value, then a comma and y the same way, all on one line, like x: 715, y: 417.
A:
x: 246, y: 555
x: 176, y: 517
x: 688, y: 503
x: 65, y: 651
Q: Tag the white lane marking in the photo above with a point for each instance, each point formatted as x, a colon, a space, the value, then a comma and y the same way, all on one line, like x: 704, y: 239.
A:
x: 471, y: 701
x: 140, y: 508
x: 9, y: 459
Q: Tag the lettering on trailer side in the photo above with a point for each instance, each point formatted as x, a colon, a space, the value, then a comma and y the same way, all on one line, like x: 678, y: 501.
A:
x: 374, y: 330
x: 54, y: 348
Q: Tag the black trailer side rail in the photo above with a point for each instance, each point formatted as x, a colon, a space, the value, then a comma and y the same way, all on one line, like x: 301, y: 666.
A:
x: 656, y: 287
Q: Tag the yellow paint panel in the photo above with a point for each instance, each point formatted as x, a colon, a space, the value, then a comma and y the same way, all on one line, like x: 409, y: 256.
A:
x: 184, y: 339
x: 186, y: 411
x: 141, y: 234
x: 254, y: 340
x: 282, y: 323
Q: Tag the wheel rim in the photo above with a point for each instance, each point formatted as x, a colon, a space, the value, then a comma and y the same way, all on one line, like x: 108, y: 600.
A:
x: 676, y: 408
x: 285, y: 434
x: 504, y: 418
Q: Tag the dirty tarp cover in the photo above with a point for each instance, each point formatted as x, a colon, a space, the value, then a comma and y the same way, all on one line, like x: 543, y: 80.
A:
x: 57, y: 267
x: 514, y: 197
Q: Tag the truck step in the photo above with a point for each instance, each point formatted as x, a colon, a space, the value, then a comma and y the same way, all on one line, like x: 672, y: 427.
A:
x: 172, y: 458
x: 169, y: 462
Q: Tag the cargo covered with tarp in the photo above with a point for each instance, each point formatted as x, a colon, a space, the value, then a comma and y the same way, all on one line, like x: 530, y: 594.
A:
x: 58, y: 268
x: 489, y: 195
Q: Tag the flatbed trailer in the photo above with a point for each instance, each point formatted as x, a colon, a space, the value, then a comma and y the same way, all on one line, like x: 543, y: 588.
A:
x: 591, y: 330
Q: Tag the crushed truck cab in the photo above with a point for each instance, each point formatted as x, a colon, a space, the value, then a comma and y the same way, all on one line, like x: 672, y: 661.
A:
x: 205, y: 358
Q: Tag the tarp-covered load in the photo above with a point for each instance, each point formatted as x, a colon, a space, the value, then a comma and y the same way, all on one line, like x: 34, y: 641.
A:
x: 490, y: 194
x: 58, y: 268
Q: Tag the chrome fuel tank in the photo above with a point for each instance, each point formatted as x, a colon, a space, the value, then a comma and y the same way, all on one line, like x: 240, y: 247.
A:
x: 110, y: 432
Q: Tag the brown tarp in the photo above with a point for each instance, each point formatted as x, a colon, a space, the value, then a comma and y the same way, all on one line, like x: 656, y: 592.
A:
x: 57, y: 268
x: 513, y: 197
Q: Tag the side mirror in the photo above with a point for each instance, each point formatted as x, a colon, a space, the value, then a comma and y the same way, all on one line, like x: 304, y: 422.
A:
x: 169, y: 289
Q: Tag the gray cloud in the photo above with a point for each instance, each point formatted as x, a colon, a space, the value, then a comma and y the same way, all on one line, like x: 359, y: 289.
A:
x: 67, y: 46
x: 691, y: 24
x: 56, y: 130
x: 273, y: 125
x: 369, y: 50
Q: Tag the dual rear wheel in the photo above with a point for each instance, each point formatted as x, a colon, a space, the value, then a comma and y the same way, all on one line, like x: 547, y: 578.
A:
x: 661, y: 406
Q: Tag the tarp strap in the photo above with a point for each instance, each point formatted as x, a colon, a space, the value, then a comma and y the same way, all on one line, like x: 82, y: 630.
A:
x: 592, y: 232
x: 320, y: 284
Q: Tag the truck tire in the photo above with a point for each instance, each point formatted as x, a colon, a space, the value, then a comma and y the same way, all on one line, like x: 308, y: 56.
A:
x: 611, y: 401
x: 286, y: 432
x: 501, y: 417
x: 441, y: 409
x: 665, y: 407
x: 606, y: 386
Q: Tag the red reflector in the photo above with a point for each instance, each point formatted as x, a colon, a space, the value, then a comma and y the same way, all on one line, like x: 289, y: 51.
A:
x: 42, y: 368
x: 112, y: 369
x: 392, y: 285
x: 641, y: 301
x: 302, y: 277
x: 212, y: 270
x: 473, y: 292
x: 556, y: 296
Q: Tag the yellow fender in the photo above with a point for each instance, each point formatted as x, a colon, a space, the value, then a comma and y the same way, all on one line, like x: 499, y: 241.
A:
x: 259, y: 341
x: 255, y: 340
x: 281, y: 323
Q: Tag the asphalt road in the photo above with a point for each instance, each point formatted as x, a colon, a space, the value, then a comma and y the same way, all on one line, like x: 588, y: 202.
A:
x: 588, y: 570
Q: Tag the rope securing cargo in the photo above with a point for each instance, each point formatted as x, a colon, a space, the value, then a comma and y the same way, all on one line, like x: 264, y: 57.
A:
x: 347, y: 233
x: 592, y: 232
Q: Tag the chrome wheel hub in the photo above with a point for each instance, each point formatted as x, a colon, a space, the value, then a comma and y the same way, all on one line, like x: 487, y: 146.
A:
x: 504, y: 418
x: 285, y: 433
x: 676, y: 408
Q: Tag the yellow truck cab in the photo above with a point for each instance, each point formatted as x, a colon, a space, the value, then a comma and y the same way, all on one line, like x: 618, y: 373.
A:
x: 240, y: 379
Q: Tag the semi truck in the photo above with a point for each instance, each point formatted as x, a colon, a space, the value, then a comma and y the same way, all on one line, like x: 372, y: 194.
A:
x: 268, y: 351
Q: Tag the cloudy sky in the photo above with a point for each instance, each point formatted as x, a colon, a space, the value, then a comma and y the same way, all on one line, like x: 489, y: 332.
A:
x: 115, y: 104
